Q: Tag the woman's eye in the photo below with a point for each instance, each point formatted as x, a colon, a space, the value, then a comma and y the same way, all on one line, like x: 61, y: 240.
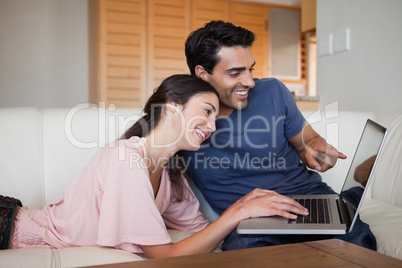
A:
x: 208, y: 111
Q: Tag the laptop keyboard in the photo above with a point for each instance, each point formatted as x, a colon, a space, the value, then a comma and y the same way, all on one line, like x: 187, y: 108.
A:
x: 318, y: 211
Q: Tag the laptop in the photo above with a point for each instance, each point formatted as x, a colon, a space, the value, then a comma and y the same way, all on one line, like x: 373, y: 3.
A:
x: 329, y: 213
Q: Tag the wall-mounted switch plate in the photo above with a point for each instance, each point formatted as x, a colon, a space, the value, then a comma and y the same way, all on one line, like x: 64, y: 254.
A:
x: 325, y: 45
x: 342, y: 41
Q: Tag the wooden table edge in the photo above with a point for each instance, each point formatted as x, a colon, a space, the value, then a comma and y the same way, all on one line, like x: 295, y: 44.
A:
x: 335, y: 251
x: 355, y: 254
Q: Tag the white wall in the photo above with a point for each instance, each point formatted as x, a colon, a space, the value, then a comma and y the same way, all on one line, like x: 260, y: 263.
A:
x: 43, y: 53
x: 369, y: 75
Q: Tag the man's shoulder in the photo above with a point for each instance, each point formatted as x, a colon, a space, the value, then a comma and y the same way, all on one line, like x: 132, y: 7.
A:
x: 265, y: 84
x: 266, y: 81
x: 268, y: 87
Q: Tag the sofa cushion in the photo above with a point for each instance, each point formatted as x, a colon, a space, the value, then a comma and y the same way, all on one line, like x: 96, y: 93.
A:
x: 385, y: 222
x: 88, y: 256
x: 74, y: 256
x: 65, y: 257
x: 30, y: 257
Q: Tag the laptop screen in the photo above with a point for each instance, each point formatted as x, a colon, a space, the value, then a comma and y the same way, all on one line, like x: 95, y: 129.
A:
x: 366, y: 153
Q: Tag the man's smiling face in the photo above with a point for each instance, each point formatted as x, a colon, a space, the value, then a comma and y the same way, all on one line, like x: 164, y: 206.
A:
x: 232, y: 77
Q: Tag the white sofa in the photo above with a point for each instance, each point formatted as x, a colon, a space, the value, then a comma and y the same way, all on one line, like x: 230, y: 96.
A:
x: 43, y: 149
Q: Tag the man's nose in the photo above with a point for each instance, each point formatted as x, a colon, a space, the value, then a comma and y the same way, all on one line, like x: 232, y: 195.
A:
x: 248, y: 80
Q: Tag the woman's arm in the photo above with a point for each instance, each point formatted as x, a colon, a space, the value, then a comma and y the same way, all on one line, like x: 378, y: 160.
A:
x: 257, y: 203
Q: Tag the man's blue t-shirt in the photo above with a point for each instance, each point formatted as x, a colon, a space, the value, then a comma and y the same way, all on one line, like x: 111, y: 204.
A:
x: 249, y: 149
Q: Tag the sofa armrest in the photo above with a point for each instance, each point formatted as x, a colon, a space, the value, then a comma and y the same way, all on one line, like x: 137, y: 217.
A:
x: 385, y: 222
x: 387, y: 177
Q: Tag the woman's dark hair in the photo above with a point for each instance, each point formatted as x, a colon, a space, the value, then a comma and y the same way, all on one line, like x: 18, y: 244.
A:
x: 177, y: 89
x: 203, y: 45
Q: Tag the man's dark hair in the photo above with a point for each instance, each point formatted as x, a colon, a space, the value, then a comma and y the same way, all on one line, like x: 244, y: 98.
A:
x: 203, y: 44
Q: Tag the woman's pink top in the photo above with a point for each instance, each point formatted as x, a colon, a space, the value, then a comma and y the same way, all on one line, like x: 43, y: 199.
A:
x: 111, y: 203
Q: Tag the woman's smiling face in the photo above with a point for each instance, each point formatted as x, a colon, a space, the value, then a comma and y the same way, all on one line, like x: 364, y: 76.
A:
x: 199, y: 114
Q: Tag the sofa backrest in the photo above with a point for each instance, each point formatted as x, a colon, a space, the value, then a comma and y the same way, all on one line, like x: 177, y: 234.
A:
x: 71, y: 137
x: 20, y: 155
x: 43, y: 149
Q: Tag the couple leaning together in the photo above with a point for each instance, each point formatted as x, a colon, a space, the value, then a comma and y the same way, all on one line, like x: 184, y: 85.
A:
x: 114, y: 203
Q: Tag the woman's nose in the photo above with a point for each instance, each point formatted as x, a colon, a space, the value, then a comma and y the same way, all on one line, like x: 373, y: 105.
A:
x: 212, y: 125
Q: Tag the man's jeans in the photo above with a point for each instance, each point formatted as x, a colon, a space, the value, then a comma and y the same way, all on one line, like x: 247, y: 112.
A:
x: 360, y: 234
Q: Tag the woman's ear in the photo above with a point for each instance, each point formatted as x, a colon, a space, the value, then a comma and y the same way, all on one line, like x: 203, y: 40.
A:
x: 171, y: 106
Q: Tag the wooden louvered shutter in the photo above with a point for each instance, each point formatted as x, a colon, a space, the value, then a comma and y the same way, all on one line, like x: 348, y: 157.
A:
x: 204, y: 11
x: 168, y: 28
x: 120, y: 52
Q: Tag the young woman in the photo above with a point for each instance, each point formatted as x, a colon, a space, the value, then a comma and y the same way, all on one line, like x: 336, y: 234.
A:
x: 133, y: 189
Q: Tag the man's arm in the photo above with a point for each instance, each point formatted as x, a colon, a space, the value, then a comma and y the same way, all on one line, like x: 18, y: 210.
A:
x: 313, y: 150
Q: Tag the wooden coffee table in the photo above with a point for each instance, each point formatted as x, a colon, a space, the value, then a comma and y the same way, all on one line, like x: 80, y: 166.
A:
x: 325, y: 253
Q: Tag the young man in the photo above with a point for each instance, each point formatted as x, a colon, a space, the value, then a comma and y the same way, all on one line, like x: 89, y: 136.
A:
x: 261, y: 138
